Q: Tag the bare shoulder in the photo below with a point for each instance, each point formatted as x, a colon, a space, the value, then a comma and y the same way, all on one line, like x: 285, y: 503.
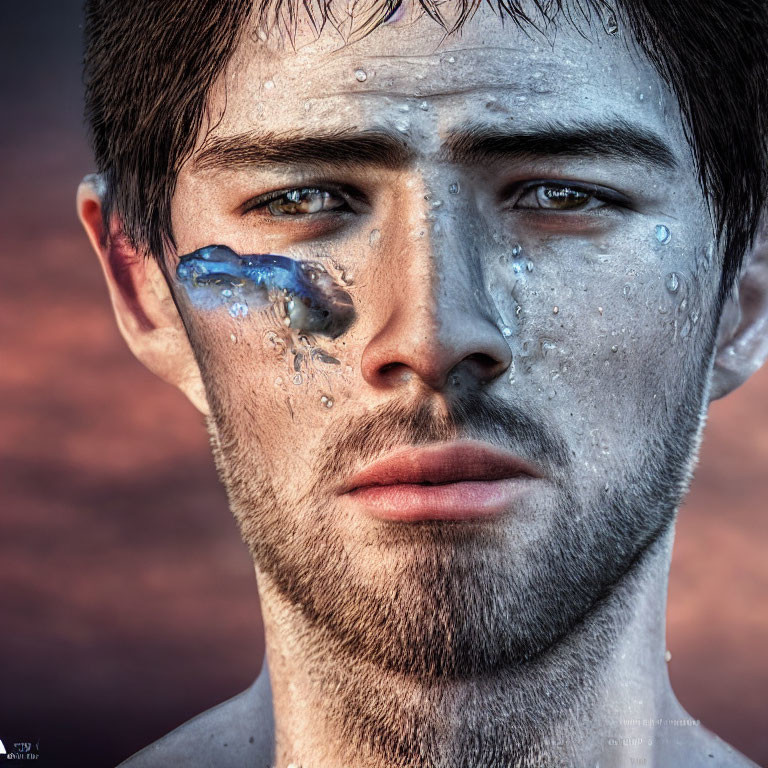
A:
x: 235, y: 733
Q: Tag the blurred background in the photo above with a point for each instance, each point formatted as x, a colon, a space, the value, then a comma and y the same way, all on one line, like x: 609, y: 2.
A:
x: 127, y: 602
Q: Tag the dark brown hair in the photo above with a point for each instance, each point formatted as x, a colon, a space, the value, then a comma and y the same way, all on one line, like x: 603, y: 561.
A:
x: 149, y: 67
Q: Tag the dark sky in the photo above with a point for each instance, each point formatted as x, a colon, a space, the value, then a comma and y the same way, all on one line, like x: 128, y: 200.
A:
x: 128, y: 603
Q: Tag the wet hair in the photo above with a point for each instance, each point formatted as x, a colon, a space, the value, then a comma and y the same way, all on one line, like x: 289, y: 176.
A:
x: 149, y: 68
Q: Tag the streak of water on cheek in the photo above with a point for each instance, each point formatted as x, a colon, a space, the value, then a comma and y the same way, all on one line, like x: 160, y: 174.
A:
x: 301, y: 294
x: 295, y: 300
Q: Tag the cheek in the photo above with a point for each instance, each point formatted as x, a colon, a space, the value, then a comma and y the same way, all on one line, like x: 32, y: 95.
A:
x: 273, y: 391
x: 606, y: 336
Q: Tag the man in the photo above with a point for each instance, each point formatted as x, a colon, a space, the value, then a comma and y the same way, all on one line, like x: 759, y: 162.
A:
x: 453, y: 285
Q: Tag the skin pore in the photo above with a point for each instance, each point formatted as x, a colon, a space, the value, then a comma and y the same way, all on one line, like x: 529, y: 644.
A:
x: 514, y: 221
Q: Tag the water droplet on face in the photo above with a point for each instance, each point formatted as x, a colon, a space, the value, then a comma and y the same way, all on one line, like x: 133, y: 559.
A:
x: 555, y: 310
x: 361, y: 75
x: 516, y: 250
x: 673, y: 282
x: 529, y: 266
x: 226, y: 292
x: 238, y: 309
x: 642, y: 97
x: 663, y: 234
x: 298, y: 378
x: 374, y: 237
x: 278, y: 381
x: 424, y: 106
x: 626, y: 290
x: 269, y: 85
x: 451, y: 59
x: 326, y: 401
x: 402, y: 126
x: 506, y: 331
x: 614, y: 348
x: 437, y: 203
x: 686, y: 329
x: 517, y: 268
x: 610, y: 23
x: 233, y: 338
x: 454, y: 188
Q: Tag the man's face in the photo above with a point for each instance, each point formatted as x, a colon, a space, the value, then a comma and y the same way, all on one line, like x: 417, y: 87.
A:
x: 559, y: 305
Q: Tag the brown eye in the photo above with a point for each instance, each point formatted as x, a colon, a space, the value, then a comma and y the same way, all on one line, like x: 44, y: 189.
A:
x: 558, y: 197
x: 304, y: 201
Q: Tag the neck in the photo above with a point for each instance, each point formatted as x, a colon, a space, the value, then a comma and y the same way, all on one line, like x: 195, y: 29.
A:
x: 591, y: 697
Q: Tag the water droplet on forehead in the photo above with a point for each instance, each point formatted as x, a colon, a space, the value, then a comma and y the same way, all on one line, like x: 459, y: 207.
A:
x: 529, y: 266
x: 663, y: 233
x: 516, y: 250
x: 361, y: 75
x: 374, y: 237
x: 424, y: 106
x: 238, y: 309
x: 673, y: 282
x: 454, y: 188
x: 451, y: 59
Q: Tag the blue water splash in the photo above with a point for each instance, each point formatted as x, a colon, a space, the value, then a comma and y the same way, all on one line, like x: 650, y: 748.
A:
x: 303, y: 292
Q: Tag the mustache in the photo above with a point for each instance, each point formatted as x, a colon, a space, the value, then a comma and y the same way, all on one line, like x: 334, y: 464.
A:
x: 361, y: 439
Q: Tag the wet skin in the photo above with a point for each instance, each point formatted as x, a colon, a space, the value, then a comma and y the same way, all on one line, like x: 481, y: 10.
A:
x: 513, y: 221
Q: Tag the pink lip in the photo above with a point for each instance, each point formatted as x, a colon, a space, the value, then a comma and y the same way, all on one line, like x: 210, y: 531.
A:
x: 463, y: 480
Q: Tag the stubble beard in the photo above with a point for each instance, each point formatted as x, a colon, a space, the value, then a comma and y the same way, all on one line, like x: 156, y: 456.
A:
x: 461, y: 655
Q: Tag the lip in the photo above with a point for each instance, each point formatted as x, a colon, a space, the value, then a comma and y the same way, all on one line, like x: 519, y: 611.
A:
x: 462, y: 480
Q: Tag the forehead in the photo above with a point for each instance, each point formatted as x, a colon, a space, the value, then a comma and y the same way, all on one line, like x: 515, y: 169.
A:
x: 412, y: 74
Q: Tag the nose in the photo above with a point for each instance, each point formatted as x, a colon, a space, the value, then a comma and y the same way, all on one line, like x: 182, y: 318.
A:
x: 436, y: 319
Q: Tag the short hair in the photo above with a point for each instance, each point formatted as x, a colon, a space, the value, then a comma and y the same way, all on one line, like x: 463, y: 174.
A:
x: 149, y: 68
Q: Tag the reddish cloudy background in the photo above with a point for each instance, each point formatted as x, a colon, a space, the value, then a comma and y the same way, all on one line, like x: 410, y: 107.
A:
x: 127, y: 602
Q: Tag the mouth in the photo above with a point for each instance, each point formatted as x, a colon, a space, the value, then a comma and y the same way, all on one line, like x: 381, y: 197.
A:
x: 463, y: 480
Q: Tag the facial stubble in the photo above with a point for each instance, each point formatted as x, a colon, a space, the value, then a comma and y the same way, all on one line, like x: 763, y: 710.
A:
x: 473, y: 654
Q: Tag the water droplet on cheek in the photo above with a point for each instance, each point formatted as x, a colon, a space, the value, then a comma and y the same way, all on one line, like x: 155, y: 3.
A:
x: 454, y: 188
x: 673, y: 282
x: 374, y: 237
x: 663, y: 234
x: 326, y: 401
x: 361, y: 75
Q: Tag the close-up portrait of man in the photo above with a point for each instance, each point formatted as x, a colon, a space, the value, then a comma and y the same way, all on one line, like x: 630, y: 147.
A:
x: 453, y: 285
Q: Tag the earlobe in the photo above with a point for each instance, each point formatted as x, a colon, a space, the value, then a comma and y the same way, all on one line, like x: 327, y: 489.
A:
x: 144, y: 308
x: 742, y: 341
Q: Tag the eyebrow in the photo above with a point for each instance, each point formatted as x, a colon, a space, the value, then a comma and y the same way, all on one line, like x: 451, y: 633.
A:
x: 616, y: 139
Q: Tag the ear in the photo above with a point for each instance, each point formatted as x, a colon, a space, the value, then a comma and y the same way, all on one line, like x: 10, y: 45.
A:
x: 146, y: 313
x: 742, y: 339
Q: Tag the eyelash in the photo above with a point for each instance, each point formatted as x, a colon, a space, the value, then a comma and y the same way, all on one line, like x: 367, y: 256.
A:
x: 263, y: 201
x: 611, y: 200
